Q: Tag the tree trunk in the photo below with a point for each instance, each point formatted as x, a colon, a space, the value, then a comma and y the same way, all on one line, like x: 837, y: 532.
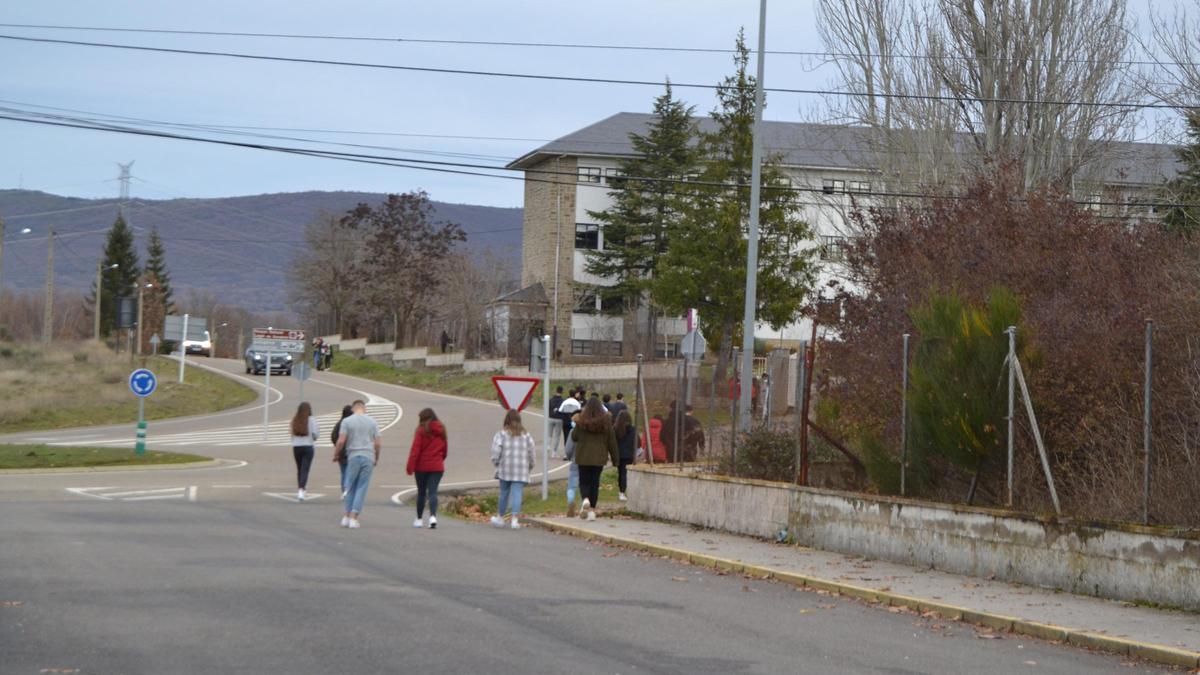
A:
x: 724, y: 352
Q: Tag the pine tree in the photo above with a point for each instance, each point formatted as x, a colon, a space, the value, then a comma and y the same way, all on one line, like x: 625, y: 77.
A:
x: 156, y: 264
x: 705, y: 263
x: 1185, y: 187
x: 644, y: 205
x: 120, y: 281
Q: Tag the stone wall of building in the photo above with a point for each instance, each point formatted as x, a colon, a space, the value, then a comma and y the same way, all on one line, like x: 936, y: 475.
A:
x: 549, y: 223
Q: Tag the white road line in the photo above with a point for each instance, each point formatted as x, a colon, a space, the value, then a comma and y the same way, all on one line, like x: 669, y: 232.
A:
x: 83, y: 492
x: 153, y: 497
x: 111, y: 495
x: 398, y: 498
x: 231, y: 486
x: 192, y: 493
x: 291, y: 496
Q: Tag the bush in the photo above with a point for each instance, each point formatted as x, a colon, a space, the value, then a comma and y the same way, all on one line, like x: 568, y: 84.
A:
x: 764, y: 455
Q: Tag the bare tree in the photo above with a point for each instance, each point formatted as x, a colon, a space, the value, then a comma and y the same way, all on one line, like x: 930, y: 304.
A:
x: 469, y: 283
x: 950, y: 85
x: 320, y: 284
x: 1175, y: 42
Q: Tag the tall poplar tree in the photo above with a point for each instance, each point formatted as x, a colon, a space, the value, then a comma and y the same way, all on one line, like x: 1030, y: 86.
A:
x: 120, y: 281
x: 156, y: 265
x: 644, y: 205
x: 705, y: 263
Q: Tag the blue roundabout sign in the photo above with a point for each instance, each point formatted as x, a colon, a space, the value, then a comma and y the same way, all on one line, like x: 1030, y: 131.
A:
x: 142, y: 382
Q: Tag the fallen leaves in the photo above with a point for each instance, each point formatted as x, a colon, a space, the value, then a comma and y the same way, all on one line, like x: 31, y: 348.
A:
x: 987, y: 635
x: 746, y: 589
x: 11, y: 603
x: 612, y: 555
x: 679, y: 578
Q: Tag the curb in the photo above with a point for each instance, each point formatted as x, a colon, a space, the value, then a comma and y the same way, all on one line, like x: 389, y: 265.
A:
x: 1171, y: 656
x: 114, y: 467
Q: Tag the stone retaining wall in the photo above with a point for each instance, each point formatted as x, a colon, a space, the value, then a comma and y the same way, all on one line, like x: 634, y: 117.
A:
x: 1118, y: 561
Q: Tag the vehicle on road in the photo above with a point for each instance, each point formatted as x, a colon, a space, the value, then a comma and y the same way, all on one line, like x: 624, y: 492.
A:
x: 202, y: 347
x: 256, y: 362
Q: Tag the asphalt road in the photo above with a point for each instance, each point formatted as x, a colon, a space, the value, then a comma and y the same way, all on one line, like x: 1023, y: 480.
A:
x: 236, y: 580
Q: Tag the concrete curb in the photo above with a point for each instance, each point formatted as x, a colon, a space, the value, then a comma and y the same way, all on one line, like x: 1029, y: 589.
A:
x: 1163, y: 654
x: 115, y: 467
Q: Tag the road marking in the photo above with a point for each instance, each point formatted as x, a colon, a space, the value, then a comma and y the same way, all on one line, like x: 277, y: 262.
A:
x: 232, y: 486
x: 291, y: 496
x: 398, y: 498
x: 187, y: 492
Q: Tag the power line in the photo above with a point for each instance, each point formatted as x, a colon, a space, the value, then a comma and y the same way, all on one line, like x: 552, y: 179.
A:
x: 594, y: 80
x: 464, y: 168
x: 556, y: 45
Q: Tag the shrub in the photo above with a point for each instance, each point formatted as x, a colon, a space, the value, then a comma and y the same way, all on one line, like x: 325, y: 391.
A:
x: 764, y: 455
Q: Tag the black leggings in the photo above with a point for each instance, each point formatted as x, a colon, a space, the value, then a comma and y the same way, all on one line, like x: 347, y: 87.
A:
x: 427, y: 485
x: 623, y: 474
x: 304, y: 456
x: 589, y: 483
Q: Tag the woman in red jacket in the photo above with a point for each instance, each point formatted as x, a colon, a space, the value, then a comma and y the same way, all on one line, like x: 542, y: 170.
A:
x: 427, y: 460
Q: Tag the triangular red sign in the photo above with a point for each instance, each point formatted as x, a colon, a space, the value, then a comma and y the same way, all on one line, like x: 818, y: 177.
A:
x: 514, y: 392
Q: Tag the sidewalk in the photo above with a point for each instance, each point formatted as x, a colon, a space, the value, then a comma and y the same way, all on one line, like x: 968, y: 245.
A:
x: 1162, y: 636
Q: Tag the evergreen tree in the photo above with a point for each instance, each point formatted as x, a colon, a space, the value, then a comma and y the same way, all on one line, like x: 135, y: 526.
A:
x: 1185, y: 187
x: 156, y: 265
x: 705, y: 263
x: 120, y: 281
x: 644, y: 205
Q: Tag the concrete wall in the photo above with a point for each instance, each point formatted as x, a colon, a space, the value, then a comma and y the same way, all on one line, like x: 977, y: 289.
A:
x: 593, y: 372
x: 353, y: 345
x: 444, y: 360
x: 483, y: 365
x: 410, y: 357
x: 332, y: 340
x: 380, y: 349
x: 1124, y: 562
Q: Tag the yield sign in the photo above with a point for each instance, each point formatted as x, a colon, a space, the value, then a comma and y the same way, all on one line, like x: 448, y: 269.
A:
x: 515, y: 392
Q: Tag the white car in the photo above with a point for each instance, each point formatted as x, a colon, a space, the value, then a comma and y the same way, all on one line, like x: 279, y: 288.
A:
x: 199, y: 346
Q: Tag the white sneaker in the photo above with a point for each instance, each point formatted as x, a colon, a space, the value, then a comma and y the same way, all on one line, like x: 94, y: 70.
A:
x: 621, y: 496
x: 515, y: 525
x: 583, y: 509
x: 345, y: 521
x: 300, y: 495
x: 433, y: 522
x: 354, y: 524
x: 497, y: 521
x: 344, y: 493
x: 591, y: 515
x: 418, y: 523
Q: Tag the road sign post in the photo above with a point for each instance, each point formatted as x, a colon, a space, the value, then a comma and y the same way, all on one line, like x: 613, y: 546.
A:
x: 142, y: 383
x: 272, y: 340
x: 514, y: 394
x: 301, y: 371
x: 183, y: 349
x: 545, y: 417
x: 267, y: 397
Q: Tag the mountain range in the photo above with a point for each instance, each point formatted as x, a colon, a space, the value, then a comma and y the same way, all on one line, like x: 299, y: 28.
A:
x: 237, y: 248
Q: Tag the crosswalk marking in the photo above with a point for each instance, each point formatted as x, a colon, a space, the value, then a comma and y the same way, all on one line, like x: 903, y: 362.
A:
x: 291, y: 496
x: 186, y: 492
x: 279, y: 434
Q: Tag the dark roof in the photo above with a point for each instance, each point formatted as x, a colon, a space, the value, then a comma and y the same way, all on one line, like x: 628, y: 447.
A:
x: 803, y: 144
x: 534, y: 294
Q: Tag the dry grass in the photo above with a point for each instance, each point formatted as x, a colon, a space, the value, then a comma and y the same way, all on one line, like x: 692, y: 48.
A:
x: 85, y: 384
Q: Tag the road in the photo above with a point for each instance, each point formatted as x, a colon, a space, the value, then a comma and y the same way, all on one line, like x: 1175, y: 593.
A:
x: 232, y: 579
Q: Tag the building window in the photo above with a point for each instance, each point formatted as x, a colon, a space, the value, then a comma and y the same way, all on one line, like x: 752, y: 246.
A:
x: 833, y: 186
x: 595, y: 348
x: 585, y: 300
x: 582, y: 347
x: 590, y: 174
x: 612, y: 305
x: 858, y: 186
x: 587, y: 236
x: 834, y: 248
x: 667, y: 351
x: 612, y: 175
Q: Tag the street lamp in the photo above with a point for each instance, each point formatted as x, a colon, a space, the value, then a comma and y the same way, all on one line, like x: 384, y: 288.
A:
x: 24, y: 230
x: 142, y: 286
x: 100, y: 268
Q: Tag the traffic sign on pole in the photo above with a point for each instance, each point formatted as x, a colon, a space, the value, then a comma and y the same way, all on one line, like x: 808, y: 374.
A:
x: 515, y: 392
x: 142, y: 383
x: 301, y: 371
x: 278, y: 334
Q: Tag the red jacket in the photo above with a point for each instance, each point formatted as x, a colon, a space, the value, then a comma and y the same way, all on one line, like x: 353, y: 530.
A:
x: 658, y: 452
x: 428, y: 453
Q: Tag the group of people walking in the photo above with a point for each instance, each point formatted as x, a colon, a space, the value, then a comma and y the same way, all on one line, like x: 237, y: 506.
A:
x: 596, y: 430
x: 322, y: 354
x: 357, y: 445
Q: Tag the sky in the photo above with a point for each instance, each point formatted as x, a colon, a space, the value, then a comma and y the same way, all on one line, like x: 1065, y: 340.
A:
x: 222, y: 91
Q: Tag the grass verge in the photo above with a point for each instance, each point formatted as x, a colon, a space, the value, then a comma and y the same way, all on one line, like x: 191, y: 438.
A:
x: 87, y: 385
x: 53, y: 457
x: 480, y: 505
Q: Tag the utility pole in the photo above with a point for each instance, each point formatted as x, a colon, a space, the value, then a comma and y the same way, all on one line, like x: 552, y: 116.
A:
x: 124, y: 179
x: 99, y: 293
x: 1, y: 255
x: 752, y: 245
x: 48, y: 310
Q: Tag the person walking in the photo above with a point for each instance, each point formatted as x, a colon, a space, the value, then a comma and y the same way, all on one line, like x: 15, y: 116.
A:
x: 317, y: 344
x: 340, y: 456
x: 627, y: 438
x: 566, y: 410
x: 304, y: 435
x: 327, y: 353
x: 595, y: 446
x: 360, y: 439
x: 556, y: 423
x: 427, y: 460
x: 512, y: 455
x: 619, y: 404
x: 572, y: 468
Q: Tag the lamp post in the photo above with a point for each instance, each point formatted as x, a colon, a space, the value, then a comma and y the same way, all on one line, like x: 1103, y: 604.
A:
x: 212, y: 339
x: 48, y: 310
x: 142, y: 286
x: 24, y: 230
x: 100, y: 268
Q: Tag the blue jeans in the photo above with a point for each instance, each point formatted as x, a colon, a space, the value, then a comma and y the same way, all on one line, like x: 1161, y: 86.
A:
x: 358, y: 477
x: 511, y: 492
x: 316, y: 360
x: 572, y: 482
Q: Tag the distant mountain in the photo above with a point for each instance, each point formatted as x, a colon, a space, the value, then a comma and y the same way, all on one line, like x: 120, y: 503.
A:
x: 237, y: 248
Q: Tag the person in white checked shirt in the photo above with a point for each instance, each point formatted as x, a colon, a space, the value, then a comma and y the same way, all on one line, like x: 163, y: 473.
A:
x: 512, y: 455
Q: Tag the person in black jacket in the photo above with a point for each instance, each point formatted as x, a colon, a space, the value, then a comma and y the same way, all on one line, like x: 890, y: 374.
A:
x: 340, y: 458
x: 626, y: 449
x: 556, y: 423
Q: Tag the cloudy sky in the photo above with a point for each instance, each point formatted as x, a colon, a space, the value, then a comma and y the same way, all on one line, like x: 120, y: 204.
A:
x: 420, y: 108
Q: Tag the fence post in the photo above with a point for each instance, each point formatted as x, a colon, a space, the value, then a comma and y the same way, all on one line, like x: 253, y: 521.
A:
x: 801, y: 391
x: 680, y: 409
x: 904, y: 422
x: 1010, y: 361
x: 734, y: 412
x: 644, y: 405
x: 1146, y: 422
x: 711, y: 440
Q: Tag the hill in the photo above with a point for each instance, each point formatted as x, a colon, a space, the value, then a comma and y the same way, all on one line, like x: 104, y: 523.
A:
x: 236, y: 248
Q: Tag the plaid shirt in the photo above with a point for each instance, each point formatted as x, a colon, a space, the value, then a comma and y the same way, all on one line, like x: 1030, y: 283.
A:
x: 512, y: 456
